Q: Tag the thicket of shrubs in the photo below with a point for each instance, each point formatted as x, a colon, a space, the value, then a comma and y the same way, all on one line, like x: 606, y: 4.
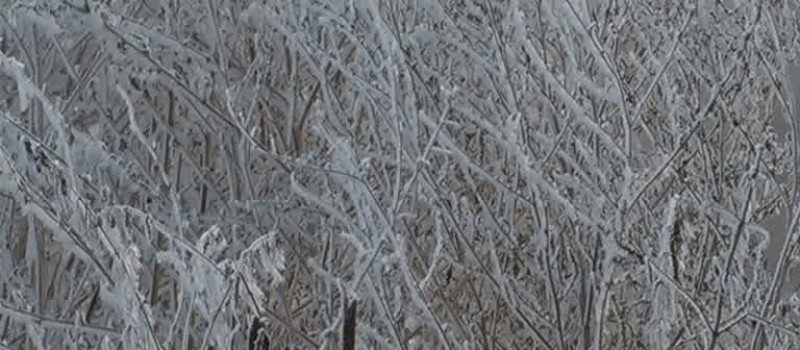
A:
x: 397, y: 174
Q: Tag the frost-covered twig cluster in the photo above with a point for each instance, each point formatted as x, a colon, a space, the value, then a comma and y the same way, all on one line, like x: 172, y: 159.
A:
x: 381, y: 174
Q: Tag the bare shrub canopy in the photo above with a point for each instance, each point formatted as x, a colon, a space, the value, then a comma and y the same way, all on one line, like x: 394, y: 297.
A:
x: 404, y: 174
